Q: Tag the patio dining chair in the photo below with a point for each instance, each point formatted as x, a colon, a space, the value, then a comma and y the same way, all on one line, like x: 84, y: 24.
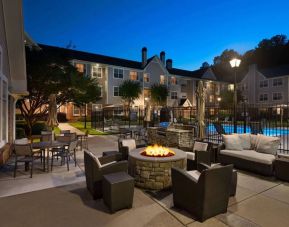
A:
x: 23, y: 153
x: 219, y: 128
x: 256, y: 128
x: 64, y: 131
x: 67, y: 153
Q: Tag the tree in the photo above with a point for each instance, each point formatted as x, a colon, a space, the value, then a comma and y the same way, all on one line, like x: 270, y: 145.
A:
x: 49, y: 73
x: 227, y: 98
x: 89, y: 92
x: 226, y: 56
x: 129, y: 91
x: 205, y: 65
x: 159, y: 94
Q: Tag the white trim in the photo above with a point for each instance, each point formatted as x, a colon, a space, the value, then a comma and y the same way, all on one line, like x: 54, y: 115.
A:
x: 278, y: 100
x: 101, y: 90
x: 119, y: 68
x: 266, y: 80
x: 113, y: 91
x: 279, y: 86
x: 262, y: 101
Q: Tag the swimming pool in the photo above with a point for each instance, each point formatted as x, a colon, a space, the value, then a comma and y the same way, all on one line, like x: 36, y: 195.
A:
x: 240, y: 129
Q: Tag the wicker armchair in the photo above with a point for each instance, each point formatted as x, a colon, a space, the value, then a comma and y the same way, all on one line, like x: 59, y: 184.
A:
x: 203, y: 196
x: 124, y: 149
x: 94, y: 172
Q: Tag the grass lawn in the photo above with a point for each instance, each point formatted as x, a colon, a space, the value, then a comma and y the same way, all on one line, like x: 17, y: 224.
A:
x: 91, y: 131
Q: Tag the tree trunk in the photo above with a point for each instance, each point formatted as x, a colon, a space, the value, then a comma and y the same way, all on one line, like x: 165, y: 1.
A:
x: 85, y: 116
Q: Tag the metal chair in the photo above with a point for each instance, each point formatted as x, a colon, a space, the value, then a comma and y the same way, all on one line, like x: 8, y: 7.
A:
x: 23, y: 153
x: 256, y: 128
x: 219, y: 128
x: 64, y: 131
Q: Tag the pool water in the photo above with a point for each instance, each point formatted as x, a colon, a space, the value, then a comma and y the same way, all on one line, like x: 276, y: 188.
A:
x: 240, y: 129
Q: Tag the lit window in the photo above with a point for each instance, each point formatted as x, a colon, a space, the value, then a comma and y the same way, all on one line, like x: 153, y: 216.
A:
x: 146, y: 77
x: 231, y: 87
x: 133, y: 75
x: 211, y: 98
x: 76, y: 110
x: 263, y: 97
x: 277, y: 96
x: 96, y: 71
x: 81, y: 68
x: 277, y: 82
x: 147, y: 93
x: 115, y: 91
x: 174, y: 95
x: 96, y: 107
x: 162, y: 79
x: 173, y: 80
x: 263, y: 83
x: 118, y: 73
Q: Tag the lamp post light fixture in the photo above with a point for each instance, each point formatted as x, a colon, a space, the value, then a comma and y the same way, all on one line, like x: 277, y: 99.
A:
x: 235, y: 63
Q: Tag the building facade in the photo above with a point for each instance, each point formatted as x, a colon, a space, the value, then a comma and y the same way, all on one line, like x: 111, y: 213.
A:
x: 13, y: 83
x: 111, y: 72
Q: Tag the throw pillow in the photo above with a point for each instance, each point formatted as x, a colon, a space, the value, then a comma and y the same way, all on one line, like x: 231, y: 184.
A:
x: 21, y: 141
x: 267, y: 144
x: 245, y: 140
x: 232, y: 142
x: 199, y: 146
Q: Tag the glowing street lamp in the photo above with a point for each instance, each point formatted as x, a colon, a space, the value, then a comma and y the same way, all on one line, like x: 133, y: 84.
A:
x: 235, y: 63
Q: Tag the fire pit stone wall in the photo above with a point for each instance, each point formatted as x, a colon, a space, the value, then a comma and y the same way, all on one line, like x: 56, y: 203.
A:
x: 170, y: 137
x: 154, y: 173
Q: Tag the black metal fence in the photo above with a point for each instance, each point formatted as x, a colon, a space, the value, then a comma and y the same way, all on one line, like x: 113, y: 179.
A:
x: 270, y: 120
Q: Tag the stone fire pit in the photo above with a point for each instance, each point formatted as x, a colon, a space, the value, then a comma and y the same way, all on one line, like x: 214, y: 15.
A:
x: 154, y: 172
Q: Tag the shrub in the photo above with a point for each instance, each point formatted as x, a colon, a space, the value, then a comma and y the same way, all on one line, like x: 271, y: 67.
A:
x: 61, y: 117
x: 20, y: 133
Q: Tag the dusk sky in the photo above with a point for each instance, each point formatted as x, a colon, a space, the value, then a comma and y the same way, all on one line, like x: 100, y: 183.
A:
x: 189, y: 31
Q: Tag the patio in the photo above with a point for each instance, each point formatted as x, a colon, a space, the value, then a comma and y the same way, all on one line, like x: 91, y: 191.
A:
x: 60, y: 198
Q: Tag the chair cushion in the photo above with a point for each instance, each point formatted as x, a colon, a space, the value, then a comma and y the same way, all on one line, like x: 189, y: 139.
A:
x: 195, y: 174
x: 245, y: 140
x: 250, y: 155
x: 130, y: 143
x: 267, y: 144
x: 190, y: 155
x: 21, y: 141
x: 199, y: 146
x: 232, y: 142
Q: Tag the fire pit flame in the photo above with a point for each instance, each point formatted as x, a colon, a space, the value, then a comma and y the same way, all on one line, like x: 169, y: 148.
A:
x: 157, y: 151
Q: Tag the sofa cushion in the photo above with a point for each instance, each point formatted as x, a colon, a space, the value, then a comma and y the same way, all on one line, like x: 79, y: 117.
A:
x: 245, y: 140
x: 253, y: 141
x: 267, y: 144
x: 250, y: 155
x: 130, y: 143
x: 195, y: 174
x: 190, y: 155
x: 232, y: 142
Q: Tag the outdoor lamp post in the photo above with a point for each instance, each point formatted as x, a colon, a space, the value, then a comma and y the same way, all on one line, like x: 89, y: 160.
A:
x: 235, y: 63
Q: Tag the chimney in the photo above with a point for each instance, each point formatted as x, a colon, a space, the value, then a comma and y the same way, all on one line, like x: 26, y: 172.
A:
x: 169, y: 63
x: 163, y: 57
x: 144, y: 56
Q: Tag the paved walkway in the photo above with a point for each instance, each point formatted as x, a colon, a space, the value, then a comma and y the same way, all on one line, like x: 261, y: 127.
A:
x: 66, y: 126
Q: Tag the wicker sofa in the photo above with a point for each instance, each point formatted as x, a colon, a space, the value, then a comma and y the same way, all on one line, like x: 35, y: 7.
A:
x: 251, y: 157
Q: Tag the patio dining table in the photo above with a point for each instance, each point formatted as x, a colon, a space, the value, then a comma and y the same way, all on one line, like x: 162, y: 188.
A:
x: 46, y: 146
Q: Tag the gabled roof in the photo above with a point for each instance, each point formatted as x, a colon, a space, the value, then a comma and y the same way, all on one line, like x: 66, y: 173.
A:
x: 187, y: 73
x: 282, y: 70
x: 85, y: 56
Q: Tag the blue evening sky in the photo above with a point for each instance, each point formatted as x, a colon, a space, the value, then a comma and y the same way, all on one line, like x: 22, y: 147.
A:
x: 189, y: 31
